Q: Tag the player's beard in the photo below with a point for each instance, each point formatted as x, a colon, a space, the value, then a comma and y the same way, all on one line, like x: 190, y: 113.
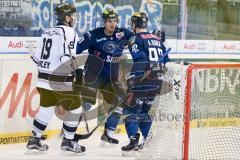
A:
x: 73, y: 20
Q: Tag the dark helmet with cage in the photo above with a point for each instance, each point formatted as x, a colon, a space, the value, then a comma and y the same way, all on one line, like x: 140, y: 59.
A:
x: 109, y: 14
x: 139, y: 19
x: 64, y: 9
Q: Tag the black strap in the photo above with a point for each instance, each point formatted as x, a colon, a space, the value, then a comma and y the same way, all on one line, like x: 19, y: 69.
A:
x: 64, y: 49
x: 55, y: 78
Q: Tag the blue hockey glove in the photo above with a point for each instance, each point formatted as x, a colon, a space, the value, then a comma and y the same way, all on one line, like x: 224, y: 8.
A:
x: 87, y: 106
x: 165, y: 59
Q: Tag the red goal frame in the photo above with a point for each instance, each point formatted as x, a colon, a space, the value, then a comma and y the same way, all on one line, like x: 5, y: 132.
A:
x: 188, y: 99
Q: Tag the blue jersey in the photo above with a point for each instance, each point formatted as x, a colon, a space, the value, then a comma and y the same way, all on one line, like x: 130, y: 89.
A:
x: 145, y: 48
x: 107, y: 48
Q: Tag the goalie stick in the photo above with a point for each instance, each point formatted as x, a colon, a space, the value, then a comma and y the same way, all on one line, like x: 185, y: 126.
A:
x: 85, y: 136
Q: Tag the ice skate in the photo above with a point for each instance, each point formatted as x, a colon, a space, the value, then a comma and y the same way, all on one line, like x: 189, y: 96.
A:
x: 132, y: 147
x: 35, y: 143
x: 107, y: 138
x: 70, y: 145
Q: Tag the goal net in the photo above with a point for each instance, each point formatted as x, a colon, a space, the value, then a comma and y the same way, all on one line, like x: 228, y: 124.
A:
x: 199, y: 118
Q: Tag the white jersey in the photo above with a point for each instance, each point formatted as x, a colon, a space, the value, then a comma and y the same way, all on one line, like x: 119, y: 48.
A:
x: 53, y: 56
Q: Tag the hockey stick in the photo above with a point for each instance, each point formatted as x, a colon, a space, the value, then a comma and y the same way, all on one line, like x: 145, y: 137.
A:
x: 85, y: 120
x: 74, y: 66
x: 85, y: 136
x: 84, y: 117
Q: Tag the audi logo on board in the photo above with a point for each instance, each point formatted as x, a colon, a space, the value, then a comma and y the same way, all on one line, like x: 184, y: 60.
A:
x: 202, y: 46
x: 30, y: 44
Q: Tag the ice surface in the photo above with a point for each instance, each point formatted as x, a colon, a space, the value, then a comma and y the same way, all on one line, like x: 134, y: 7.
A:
x: 93, y: 150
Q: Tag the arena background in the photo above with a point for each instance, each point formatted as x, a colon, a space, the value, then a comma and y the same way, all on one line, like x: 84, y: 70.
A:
x: 206, y: 20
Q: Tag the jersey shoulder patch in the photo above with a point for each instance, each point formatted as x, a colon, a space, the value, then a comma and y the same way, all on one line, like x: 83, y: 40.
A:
x: 132, y: 41
x: 81, y: 38
x: 119, y: 35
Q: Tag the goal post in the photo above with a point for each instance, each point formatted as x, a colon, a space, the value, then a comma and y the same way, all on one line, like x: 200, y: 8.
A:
x: 201, y: 114
x: 226, y: 77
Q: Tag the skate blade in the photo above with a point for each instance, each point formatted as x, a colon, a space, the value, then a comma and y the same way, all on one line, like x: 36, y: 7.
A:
x: 70, y: 150
x: 69, y: 153
x: 34, y: 152
x: 132, y: 153
x: 104, y: 144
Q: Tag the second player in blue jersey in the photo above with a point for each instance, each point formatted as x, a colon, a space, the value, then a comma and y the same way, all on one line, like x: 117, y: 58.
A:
x: 105, y: 46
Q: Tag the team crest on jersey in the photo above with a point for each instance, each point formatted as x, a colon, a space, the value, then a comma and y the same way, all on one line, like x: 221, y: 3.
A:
x: 109, y: 47
x: 119, y: 35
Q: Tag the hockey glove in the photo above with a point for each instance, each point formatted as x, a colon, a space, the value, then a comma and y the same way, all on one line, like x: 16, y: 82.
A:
x: 165, y: 60
x: 160, y: 34
x: 87, y: 106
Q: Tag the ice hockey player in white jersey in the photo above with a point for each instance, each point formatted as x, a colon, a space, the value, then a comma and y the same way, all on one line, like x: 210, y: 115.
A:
x: 55, y: 76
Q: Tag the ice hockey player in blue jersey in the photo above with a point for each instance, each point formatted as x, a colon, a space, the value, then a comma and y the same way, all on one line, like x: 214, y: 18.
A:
x: 146, y: 49
x: 105, y: 46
